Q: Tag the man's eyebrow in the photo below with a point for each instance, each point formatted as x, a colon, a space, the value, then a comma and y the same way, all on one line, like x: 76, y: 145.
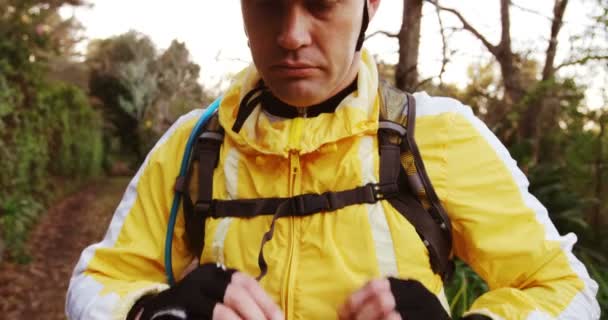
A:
x: 325, y: 1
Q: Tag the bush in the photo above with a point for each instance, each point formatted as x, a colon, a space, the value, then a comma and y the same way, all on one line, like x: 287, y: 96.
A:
x: 59, y: 134
x: 76, y: 134
x: 18, y: 216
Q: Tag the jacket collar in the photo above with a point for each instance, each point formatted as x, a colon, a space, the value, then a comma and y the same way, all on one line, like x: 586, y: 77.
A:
x: 267, y: 132
x: 278, y: 108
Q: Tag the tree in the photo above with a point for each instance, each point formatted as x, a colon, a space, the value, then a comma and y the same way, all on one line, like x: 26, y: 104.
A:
x: 516, y: 85
x: 142, y: 93
x: 123, y: 77
x: 504, y: 55
x: 47, y: 128
x: 31, y: 32
x: 179, y: 90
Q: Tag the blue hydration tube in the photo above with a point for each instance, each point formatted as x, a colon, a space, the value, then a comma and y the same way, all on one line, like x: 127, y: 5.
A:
x: 178, y: 195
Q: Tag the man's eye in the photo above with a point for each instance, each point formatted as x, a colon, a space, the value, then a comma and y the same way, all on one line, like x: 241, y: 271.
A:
x: 267, y: 3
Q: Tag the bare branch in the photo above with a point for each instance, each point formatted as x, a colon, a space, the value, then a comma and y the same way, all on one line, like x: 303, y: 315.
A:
x: 382, y: 32
x: 528, y: 10
x: 467, y: 26
x: 445, y: 59
x: 219, y: 58
x: 423, y: 82
x: 582, y: 60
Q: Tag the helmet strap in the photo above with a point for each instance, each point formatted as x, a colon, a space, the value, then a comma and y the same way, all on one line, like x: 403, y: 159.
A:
x: 363, y: 27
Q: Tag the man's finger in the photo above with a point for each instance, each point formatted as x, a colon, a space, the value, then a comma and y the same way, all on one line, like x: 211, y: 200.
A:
x: 241, y: 301
x: 355, y: 302
x: 377, y: 306
x: 393, y: 316
x: 270, y: 309
x: 221, y: 312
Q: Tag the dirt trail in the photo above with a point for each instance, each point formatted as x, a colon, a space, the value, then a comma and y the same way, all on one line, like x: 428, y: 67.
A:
x: 37, y: 290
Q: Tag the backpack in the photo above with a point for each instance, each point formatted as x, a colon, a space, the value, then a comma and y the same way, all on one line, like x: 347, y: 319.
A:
x: 404, y: 183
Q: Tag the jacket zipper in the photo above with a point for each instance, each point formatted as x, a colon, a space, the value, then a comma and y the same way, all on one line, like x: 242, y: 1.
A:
x: 295, y: 186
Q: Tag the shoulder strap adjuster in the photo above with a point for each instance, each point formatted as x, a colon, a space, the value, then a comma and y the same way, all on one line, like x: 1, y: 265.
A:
x: 378, y: 191
x: 377, y: 194
x: 202, y: 207
x: 397, y: 128
x: 212, y: 135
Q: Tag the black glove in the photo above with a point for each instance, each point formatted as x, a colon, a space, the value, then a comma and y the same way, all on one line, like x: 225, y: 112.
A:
x: 415, y: 302
x: 194, y: 297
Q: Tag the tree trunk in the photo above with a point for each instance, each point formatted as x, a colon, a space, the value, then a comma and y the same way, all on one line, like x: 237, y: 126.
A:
x: 529, y: 125
x: 511, y: 75
x: 406, y: 75
x: 559, y: 9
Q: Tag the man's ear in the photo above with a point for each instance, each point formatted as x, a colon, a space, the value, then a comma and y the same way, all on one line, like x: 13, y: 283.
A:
x: 372, y: 7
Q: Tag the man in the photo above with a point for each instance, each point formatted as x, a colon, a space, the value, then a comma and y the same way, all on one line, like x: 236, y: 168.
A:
x: 312, y: 117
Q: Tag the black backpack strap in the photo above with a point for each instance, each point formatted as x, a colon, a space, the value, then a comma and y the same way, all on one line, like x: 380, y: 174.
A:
x: 417, y: 200
x: 437, y: 211
x: 206, y: 155
x: 392, y: 172
x: 301, y: 205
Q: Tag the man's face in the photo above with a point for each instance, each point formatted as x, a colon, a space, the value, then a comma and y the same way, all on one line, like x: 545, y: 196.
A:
x: 304, y: 49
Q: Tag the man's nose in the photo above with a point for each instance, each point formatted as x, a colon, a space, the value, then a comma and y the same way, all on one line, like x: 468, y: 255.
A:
x: 295, y: 28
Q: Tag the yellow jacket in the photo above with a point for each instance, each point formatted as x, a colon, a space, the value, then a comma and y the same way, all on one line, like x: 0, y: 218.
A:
x: 316, y: 261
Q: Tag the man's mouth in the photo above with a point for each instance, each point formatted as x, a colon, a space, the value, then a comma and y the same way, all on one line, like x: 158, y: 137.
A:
x: 293, y: 69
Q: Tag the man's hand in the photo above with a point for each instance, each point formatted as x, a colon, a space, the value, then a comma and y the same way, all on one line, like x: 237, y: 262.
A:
x: 375, y: 301
x: 393, y: 299
x: 245, y: 299
x: 209, y: 292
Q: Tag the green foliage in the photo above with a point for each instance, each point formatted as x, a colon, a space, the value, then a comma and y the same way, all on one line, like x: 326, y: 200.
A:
x: 31, y: 32
x: 18, y: 216
x: 32, y: 152
x: 464, y: 288
x: 77, y: 137
x: 47, y: 129
x: 9, y: 98
x: 599, y: 272
x: 59, y: 135
x: 566, y: 208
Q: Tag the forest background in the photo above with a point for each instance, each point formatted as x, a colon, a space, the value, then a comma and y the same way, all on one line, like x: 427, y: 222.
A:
x: 70, y: 116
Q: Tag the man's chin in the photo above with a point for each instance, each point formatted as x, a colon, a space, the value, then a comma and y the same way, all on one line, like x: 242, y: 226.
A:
x: 298, y: 93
